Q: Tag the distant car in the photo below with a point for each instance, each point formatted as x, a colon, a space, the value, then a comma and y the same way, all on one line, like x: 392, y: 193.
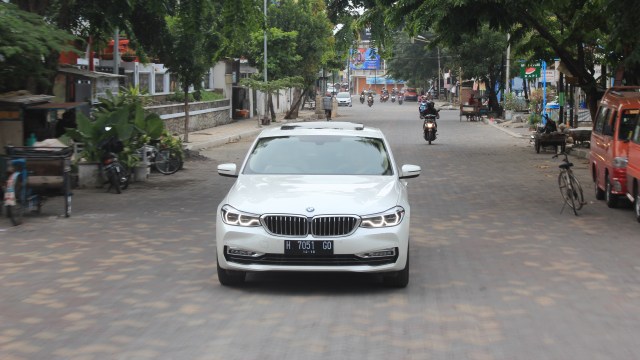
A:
x: 316, y: 197
x: 410, y: 94
x: 344, y: 99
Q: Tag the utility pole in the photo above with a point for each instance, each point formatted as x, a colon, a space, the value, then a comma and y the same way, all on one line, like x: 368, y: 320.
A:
x: 507, y: 87
x: 266, y: 94
x: 439, y: 73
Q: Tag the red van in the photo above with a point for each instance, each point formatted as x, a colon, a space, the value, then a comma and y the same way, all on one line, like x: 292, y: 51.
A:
x: 633, y: 170
x: 615, y: 121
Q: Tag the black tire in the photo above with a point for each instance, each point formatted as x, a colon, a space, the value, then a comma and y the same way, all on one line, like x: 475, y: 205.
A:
x: 67, y: 194
x: 578, y: 195
x: 636, y: 206
x: 230, y: 277
x: 124, y: 176
x: 537, y: 146
x: 598, y: 192
x: 567, y: 192
x: 398, y: 279
x: 114, y: 182
x: 16, y: 212
x: 610, y: 198
x: 167, y: 161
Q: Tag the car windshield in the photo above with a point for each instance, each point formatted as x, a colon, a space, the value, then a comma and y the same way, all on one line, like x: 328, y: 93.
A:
x: 343, y: 95
x: 319, y: 155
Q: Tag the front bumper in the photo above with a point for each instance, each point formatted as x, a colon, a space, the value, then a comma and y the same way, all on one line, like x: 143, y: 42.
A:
x: 344, y: 258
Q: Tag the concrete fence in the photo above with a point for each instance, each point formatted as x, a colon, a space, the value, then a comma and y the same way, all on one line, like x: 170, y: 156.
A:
x: 202, y: 115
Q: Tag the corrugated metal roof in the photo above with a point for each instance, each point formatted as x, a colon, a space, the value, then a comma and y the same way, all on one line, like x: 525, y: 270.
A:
x: 86, y: 73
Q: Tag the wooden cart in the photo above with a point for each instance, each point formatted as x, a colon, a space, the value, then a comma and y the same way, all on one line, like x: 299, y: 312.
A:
x: 470, y: 112
x: 39, y: 173
x: 581, y: 137
x: 555, y: 139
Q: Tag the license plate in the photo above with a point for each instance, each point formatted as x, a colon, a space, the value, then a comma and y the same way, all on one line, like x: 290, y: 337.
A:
x: 308, y: 247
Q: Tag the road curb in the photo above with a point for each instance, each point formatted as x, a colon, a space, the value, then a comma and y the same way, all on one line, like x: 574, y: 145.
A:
x: 501, y: 128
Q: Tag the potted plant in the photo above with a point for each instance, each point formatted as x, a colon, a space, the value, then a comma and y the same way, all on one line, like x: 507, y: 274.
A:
x: 129, y: 55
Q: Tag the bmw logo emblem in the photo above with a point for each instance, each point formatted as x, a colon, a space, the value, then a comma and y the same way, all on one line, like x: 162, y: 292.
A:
x: 310, y: 209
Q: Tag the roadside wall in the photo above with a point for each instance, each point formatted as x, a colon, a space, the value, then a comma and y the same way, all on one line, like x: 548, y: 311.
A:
x: 202, y: 115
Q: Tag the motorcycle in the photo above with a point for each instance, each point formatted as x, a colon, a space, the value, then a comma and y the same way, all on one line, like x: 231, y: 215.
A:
x: 370, y: 101
x: 361, y: 98
x: 115, y: 173
x: 400, y: 99
x: 393, y: 98
x: 384, y: 97
x: 429, y: 128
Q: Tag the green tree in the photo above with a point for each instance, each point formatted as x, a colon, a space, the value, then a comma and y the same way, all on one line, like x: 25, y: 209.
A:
x: 480, y: 57
x: 413, y: 61
x: 299, y: 41
x: 193, y: 43
x: 582, y: 33
x: 25, y: 42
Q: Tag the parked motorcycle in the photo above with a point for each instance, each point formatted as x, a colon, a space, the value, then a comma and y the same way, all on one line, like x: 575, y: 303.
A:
x: 384, y: 97
x: 361, y: 98
x: 370, y: 100
x: 400, y: 99
x: 393, y: 98
x: 429, y: 128
x: 115, y: 173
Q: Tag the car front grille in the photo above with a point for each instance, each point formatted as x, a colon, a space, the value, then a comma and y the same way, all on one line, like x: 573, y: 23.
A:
x: 319, y: 226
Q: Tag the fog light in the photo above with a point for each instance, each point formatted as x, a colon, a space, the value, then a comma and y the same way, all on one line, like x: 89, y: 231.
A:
x: 378, y: 253
x: 242, y: 252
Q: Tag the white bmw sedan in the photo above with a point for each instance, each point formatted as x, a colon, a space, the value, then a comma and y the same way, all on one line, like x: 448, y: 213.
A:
x: 316, y: 196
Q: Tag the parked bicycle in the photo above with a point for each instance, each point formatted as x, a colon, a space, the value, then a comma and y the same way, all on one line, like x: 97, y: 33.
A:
x: 167, y: 161
x: 569, y: 185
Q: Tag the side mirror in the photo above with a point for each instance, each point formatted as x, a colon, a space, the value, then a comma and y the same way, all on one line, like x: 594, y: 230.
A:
x: 410, y: 171
x: 227, y: 170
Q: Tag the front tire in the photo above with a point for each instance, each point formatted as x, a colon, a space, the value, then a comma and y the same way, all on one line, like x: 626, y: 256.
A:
x: 637, y: 205
x: 113, y: 180
x: 610, y: 198
x: 398, y: 279
x: 230, y: 277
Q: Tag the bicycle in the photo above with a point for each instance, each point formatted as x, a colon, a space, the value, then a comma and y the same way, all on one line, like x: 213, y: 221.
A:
x: 167, y: 161
x: 569, y: 185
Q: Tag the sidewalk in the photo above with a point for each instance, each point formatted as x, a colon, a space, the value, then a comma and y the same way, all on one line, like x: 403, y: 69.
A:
x: 236, y: 130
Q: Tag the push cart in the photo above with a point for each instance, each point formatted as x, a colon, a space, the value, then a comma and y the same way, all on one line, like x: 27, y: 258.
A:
x: 544, y: 140
x: 37, y: 173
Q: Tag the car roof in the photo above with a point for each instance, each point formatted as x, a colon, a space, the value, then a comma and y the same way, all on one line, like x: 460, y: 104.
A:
x: 323, y: 128
x: 625, y: 96
x: 344, y: 92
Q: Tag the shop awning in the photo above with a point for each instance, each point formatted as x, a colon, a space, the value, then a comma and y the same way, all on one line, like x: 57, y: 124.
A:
x: 58, y: 106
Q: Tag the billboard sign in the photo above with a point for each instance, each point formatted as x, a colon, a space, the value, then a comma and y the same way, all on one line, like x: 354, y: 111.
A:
x: 529, y: 71
x: 365, y: 59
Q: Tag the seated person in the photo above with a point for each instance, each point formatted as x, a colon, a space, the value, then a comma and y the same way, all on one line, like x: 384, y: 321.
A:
x: 550, y: 126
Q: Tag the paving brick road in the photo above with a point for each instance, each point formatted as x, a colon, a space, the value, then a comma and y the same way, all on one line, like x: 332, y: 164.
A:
x: 497, y: 271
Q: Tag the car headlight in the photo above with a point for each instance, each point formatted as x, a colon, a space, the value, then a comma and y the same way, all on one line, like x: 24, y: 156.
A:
x: 232, y: 216
x: 391, y: 217
x: 620, y: 162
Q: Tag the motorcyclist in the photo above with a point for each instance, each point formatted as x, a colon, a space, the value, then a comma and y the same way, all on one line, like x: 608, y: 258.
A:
x: 429, y: 108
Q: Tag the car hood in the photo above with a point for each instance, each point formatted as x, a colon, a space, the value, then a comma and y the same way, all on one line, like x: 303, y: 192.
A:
x: 326, y: 194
